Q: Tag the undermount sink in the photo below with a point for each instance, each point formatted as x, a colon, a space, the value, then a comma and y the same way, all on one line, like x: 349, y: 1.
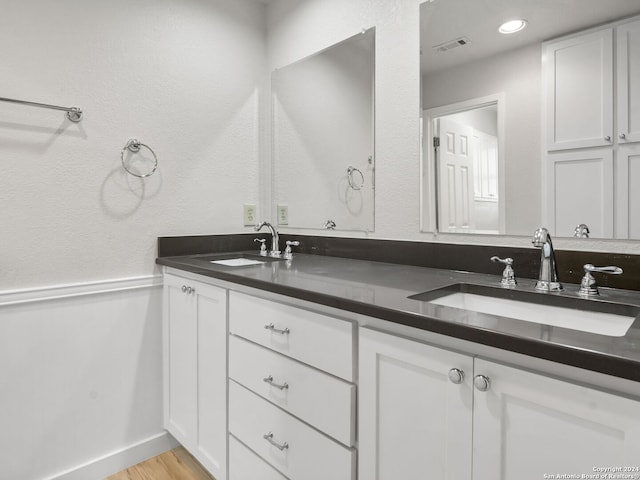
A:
x: 237, y: 259
x: 592, y: 316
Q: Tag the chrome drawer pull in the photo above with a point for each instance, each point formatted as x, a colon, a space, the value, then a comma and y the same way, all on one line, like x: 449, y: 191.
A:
x: 273, y: 328
x: 269, y: 380
x: 269, y: 438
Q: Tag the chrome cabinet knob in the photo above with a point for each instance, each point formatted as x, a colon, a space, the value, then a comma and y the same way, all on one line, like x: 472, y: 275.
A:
x: 184, y: 289
x: 456, y: 376
x: 622, y: 136
x: 607, y: 138
x: 482, y: 383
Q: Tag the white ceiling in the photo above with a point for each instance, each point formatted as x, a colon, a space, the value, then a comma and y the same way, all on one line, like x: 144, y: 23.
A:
x: 444, y: 20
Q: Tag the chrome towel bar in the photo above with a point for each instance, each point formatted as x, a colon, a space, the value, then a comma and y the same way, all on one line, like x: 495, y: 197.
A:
x: 73, y: 113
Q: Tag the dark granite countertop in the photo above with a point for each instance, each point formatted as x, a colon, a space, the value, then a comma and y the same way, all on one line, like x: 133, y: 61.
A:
x: 381, y: 290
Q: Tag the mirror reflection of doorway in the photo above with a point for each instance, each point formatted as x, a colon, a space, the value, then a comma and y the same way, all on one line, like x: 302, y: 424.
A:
x: 467, y: 170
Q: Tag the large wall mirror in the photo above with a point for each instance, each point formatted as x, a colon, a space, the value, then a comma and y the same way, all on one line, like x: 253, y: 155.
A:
x: 484, y: 151
x: 323, y: 166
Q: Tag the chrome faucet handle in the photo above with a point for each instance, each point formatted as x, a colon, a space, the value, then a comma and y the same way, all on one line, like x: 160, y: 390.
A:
x: 288, y: 254
x: 588, y: 285
x: 263, y: 247
x: 330, y: 225
x: 508, y: 275
x: 581, y: 231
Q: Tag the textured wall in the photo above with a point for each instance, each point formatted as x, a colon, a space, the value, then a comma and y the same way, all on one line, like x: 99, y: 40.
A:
x: 81, y: 377
x: 182, y: 76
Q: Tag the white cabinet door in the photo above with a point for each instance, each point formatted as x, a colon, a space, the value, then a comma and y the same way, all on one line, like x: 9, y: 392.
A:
x: 211, y: 316
x: 578, y: 74
x: 627, y: 193
x: 580, y: 190
x: 195, y: 365
x: 628, y: 82
x: 181, y: 362
x: 528, y: 425
x: 414, y: 423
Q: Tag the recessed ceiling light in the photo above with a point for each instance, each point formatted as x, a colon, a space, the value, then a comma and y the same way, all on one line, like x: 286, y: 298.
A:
x: 512, y: 26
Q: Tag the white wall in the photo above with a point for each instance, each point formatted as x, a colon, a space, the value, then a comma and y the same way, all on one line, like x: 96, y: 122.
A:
x: 81, y: 376
x: 80, y: 380
x: 299, y: 28
x: 181, y: 76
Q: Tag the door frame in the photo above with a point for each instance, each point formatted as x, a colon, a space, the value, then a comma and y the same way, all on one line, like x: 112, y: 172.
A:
x: 428, y: 185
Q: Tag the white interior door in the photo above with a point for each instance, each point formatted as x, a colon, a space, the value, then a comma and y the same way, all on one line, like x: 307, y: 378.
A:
x: 455, y: 177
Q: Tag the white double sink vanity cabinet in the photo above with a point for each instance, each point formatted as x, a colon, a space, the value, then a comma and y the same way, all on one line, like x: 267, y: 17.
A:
x: 266, y: 386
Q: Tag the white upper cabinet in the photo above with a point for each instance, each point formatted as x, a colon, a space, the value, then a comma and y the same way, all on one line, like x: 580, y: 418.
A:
x: 580, y: 108
x: 628, y: 64
x: 580, y: 178
x: 578, y: 74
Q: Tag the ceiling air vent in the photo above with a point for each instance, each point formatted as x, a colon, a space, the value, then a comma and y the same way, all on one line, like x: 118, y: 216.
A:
x: 451, y: 44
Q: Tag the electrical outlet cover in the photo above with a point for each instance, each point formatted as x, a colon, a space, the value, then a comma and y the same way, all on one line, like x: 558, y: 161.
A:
x: 283, y: 215
x: 249, y: 214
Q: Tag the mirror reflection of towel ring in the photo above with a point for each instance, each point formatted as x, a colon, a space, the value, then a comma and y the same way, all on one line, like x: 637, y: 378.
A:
x: 133, y: 145
x: 353, y: 182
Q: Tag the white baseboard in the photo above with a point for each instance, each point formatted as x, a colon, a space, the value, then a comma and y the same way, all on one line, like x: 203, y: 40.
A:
x: 114, y: 462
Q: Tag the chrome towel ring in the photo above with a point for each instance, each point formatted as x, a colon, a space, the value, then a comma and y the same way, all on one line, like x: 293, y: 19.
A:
x: 133, y: 145
x: 354, y: 183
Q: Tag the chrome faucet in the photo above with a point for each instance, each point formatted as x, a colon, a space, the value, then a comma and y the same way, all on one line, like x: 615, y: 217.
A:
x: 548, y: 276
x: 275, y: 242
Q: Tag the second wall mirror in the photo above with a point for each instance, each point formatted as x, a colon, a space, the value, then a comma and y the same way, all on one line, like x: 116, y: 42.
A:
x: 521, y: 119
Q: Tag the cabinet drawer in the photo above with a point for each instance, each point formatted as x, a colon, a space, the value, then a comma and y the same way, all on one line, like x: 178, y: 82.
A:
x: 310, y: 455
x: 320, y: 399
x: 319, y: 340
x: 246, y: 465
